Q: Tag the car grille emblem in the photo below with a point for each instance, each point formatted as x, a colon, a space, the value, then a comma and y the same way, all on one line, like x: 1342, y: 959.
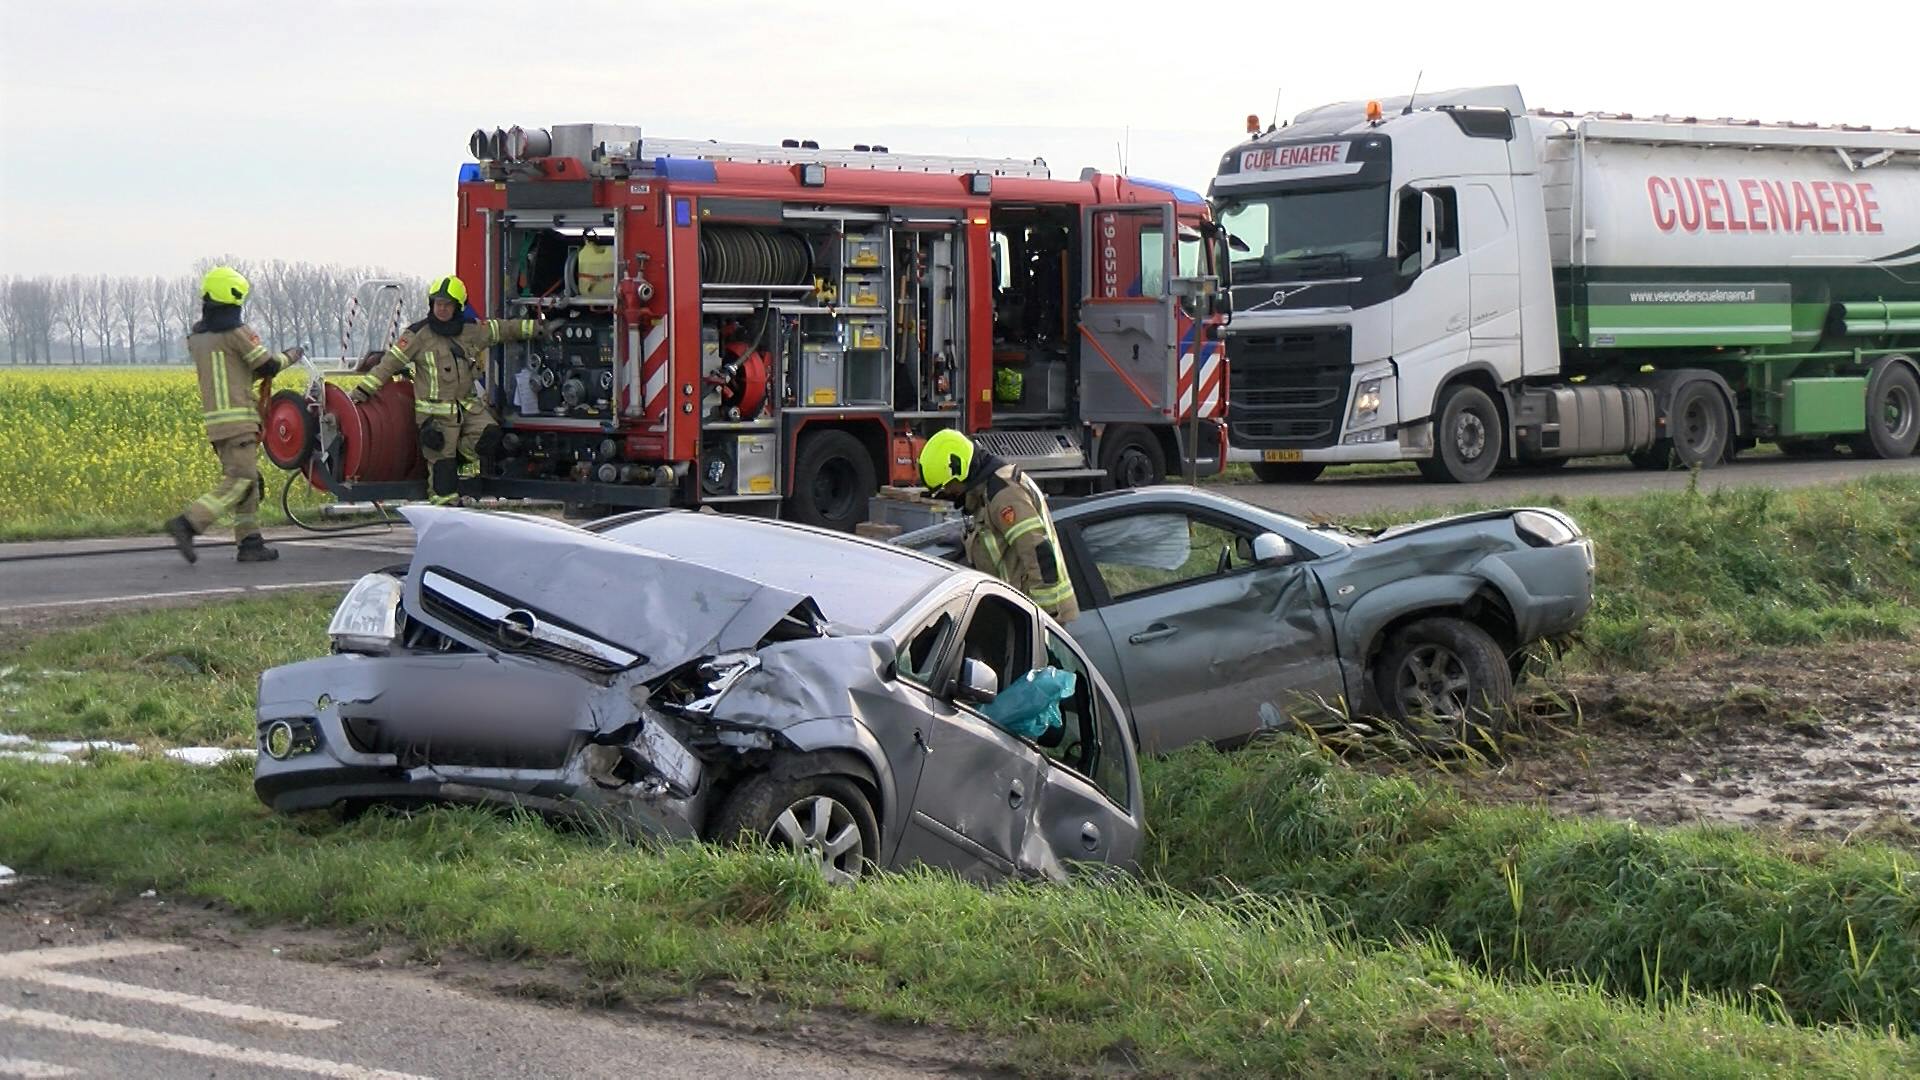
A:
x: 515, y: 628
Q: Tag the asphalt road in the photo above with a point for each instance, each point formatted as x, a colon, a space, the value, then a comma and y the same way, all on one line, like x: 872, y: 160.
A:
x: 71, y: 578
x: 1348, y: 496
x: 68, y: 579
x: 77, y: 1000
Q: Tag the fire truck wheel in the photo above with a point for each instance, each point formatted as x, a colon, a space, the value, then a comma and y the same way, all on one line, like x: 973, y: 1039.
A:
x: 833, y: 477
x: 1893, y: 411
x: 1133, y: 457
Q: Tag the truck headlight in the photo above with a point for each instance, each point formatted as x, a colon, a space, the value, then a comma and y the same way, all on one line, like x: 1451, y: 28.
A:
x: 368, y: 619
x: 1366, y: 403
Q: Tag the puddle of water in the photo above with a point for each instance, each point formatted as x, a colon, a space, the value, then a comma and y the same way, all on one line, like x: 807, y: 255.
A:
x: 69, y: 751
x: 209, y: 755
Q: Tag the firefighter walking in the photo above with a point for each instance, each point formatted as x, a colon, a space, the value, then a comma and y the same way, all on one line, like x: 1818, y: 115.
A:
x: 1009, y: 531
x: 229, y: 357
x: 445, y: 354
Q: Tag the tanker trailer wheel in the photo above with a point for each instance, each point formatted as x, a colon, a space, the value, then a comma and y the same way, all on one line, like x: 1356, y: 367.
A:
x: 833, y: 477
x: 1893, y: 411
x: 1466, y: 440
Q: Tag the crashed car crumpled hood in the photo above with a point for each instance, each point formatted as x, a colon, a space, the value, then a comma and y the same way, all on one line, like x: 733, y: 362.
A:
x: 668, y: 609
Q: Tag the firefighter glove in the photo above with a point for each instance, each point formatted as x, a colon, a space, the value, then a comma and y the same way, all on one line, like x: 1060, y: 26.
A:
x: 431, y: 437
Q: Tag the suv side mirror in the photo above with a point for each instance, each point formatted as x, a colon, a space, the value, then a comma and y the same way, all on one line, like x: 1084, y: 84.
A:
x: 978, y: 684
x: 1270, y: 549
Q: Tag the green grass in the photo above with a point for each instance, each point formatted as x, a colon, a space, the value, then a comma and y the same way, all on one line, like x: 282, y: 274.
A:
x: 1733, y: 568
x: 1517, y: 892
x: 1087, y: 975
x: 1813, y: 930
x: 182, y: 676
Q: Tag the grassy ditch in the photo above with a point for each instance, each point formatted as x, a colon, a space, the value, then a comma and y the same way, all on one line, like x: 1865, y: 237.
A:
x: 182, y: 676
x: 1088, y: 975
x: 1685, y: 572
x: 1815, y: 931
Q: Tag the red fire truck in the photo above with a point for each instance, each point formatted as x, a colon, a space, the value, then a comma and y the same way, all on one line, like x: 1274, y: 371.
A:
x: 775, y: 329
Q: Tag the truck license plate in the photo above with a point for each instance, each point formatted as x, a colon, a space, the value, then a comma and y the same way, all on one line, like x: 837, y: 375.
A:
x: 1280, y: 455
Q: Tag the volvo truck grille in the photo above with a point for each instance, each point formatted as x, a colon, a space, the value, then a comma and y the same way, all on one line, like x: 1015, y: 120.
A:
x: 1289, y: 387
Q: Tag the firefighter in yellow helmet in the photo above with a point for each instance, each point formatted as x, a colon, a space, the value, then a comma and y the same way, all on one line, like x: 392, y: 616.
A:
x: 229, y: 358
x: 1009, y: 531
x: 446, y: 355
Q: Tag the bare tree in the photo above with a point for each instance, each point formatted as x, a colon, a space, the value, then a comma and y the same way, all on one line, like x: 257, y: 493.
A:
x: 97, y: 302
x: 31, y: 299
x: 69, y: 311
x: 129, y: 305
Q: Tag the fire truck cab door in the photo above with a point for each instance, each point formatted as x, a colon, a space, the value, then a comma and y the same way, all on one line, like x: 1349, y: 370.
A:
x: 1126, y: 314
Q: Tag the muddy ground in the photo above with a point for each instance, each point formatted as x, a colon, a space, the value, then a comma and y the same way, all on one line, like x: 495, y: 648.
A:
x: 1815, y: 741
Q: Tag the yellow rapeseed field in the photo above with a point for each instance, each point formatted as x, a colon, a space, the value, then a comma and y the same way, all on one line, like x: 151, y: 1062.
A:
x: 100, y: 451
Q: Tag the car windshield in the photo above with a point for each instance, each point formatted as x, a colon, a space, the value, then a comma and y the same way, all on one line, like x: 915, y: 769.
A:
x: 1311, y: 230
x: 859, y: 587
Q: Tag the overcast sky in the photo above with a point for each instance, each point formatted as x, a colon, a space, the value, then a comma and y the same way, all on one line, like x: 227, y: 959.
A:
x: 135, y: 137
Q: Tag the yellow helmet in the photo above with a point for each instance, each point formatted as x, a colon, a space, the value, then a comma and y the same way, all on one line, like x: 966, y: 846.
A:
x: 224, y: 285
x: 450, y: 287
x: 946, y: 458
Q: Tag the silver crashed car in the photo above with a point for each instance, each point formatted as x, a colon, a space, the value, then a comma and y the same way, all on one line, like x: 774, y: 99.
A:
x: 694, y: 675
x: 1216, y: 620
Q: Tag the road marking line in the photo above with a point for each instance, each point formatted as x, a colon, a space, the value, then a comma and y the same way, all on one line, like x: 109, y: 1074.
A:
x: 188, y: 1044
x: 228, y: 591
x: 32, y: 1070
x: 32, y: 966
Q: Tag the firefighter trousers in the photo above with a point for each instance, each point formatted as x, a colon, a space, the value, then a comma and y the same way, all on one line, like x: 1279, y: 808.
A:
x: 238, y: 492
x: 446, y: 440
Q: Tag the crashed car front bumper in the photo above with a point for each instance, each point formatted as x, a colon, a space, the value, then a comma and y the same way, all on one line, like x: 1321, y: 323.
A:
x: 472, y: 728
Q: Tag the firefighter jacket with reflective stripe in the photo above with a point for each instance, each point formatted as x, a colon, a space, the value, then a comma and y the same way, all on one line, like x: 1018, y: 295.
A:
x: 444, y: 369
x: 226, y: 361
x: 1010, y: 535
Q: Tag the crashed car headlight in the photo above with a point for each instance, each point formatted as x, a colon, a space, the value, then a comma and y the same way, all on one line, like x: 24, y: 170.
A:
x: 713, y: 677
x: 1545, y: 529
x: 368, y: 620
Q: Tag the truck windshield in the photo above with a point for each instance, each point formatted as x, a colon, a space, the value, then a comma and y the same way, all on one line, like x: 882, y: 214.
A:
x: 1291, y: 232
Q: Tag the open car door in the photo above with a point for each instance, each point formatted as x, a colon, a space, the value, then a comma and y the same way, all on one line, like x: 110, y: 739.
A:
x: 1126, y: 314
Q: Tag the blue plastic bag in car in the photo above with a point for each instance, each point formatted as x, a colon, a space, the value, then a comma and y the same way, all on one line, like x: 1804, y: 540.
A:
x: 1031, y: 706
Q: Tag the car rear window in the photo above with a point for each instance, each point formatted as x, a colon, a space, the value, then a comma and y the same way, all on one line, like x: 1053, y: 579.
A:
x: 859, y: 587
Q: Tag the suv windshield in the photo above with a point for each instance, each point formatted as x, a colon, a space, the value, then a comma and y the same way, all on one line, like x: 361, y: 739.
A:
x: 1310, y: 231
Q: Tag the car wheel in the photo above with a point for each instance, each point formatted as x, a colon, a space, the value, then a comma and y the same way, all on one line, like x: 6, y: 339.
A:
x: 1133, y: 458
x: 1466, y: 440
x: 1446, y: 682
x: 1288, y: 472
x: 1893, y: 412
x: 833, y: 477
x: 824, y: 818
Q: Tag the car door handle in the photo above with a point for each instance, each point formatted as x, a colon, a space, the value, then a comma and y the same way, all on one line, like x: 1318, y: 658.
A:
x: 1153, y: 633
x: 1016, y: 794
x: 1089, y: 835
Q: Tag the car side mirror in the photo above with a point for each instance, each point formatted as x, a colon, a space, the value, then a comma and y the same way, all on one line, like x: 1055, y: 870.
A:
x: 1271, y: 549
x: 978, y: 684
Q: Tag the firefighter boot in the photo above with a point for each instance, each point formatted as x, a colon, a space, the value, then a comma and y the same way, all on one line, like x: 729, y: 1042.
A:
x: 182, y: 533
x: 254, y: 549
